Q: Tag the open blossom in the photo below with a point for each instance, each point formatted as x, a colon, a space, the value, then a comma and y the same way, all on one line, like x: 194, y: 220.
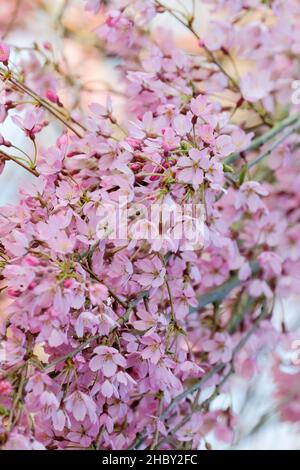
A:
x: 191, y: 168
x: 182, y: 124
x: 118, y: 330
x: 201, y: 107
x: 86, y: 321
x: 118, y: 28
x: 206, y: 132
x: 152, y: 272
x: 148, y: 321
x: 169, y: 141
x: 154, y: 348
x: 81, y: 405
x: 219, y: 348
x: 107, y: 360
x: 249, y: 196
x: 51, y: 162
x: 31, y: 123
x: 224, y: 145
x: 256, y: 85
x: 241, y: 140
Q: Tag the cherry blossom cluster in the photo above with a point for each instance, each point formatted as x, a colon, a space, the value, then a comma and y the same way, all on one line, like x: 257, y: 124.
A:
x: 124, y: 344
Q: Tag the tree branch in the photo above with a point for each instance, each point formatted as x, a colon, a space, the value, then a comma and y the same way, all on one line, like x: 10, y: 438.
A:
x: 266, y: 137
x: 216, y: 369
x: 6, y: 156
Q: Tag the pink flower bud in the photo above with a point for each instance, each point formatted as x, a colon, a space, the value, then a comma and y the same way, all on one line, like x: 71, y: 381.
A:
x: 32, y: 285
x: 13, y: 293
x: 47, y: 45
x: 5, y: 387
x: 32, y: 261
x: 52, y: 96
x: 135, y: 166
x: 4, y: 53
x: 68, y: 283
x: 72, y: 154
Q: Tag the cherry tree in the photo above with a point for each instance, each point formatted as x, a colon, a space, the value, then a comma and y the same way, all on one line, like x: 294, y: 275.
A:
x: 124, y: 343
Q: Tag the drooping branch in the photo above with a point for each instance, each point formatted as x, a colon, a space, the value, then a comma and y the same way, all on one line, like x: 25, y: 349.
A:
x: 199, y: 384
x: 267, y: 136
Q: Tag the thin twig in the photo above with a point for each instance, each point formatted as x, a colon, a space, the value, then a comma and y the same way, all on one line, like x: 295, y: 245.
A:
x: 220, y: 293
x: 6, y: 156
x: 17, y: 397
x: 264, y: 138
x: 41, y: 101
x: 276, y: 144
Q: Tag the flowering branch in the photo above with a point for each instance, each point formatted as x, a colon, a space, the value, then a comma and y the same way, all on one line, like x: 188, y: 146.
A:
x: 199, y: 384
x: 133, y: 328
x: 6, y: 76
x: 293, y: 121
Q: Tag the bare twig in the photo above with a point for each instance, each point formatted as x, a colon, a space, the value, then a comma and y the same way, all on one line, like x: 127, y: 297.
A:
x: 6, y: 156
x: 266, y: 137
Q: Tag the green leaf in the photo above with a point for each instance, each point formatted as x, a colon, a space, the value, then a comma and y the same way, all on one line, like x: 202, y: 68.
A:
x: 243, y: 174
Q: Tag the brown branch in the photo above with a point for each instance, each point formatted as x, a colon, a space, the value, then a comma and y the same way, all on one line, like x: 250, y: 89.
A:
x: 6, y: 156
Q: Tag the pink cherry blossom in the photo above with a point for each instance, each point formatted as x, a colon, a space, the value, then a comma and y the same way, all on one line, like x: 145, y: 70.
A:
x: 256, y: 85
x: 107, y: 360
x: 81, y: 405
x: 31, y: 123
x: 219, y: 349
x: 5, y: 387
x: 152, y: 272
x: 249, y: 196
x: 190, y: 169
x: 201, y: 107
x: 153, y: 350
x: 114, y: 336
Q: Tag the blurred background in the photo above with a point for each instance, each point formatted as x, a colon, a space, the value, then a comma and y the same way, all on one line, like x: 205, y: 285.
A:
x: 70, y: 29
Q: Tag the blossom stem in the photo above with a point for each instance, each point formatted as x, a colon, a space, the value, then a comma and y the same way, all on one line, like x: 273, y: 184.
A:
x: 160, y: 408
x: 17, y: 397
x: 5, y: 156
x: 22, y: 151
